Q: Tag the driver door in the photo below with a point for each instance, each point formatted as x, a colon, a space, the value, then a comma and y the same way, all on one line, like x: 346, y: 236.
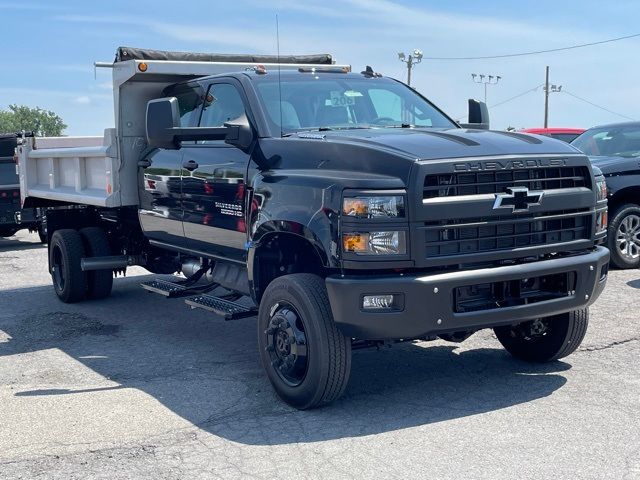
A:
x: 213, y: 180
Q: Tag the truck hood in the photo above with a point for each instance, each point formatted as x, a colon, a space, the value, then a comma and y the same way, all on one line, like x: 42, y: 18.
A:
x: 428, y: 143
x: 611, y: 165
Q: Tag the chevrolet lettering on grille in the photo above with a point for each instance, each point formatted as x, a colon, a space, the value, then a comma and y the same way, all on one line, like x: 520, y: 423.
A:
x: 518, y: 199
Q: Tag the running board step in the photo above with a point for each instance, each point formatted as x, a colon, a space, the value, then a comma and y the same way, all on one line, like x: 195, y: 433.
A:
x: 181, y: 288
x: 166, y: 289
x: 225, y: 308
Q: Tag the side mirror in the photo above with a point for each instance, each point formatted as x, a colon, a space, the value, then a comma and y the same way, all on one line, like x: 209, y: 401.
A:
x: 164, y: 130
x: 163, y: 116
x: 239, y: 133
x: 478, y: 115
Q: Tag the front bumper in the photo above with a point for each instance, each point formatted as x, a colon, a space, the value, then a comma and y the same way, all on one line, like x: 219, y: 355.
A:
x: 429, y: 301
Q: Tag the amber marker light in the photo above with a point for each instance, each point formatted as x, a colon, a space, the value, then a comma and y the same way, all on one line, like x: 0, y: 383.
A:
x: 354, y: 242
x: 355, y: 207
x: 143, y: 67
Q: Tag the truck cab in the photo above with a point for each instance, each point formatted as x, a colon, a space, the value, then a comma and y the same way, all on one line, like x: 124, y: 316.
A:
x: 345, y: 206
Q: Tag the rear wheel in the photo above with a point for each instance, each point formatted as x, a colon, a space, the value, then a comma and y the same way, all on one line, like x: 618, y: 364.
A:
x: 306, y: 358
x: 623, y: 236
x: 545, y: 339
x: 42, y: 232
x: 7, y: 232
x: 96, y: 244
x: 65, y: 252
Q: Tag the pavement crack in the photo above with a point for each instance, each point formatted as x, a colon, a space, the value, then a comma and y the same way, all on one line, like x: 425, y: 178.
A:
x: 597, y: 348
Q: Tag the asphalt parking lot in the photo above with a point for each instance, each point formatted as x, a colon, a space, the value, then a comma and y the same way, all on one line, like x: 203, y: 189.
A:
x: 136, y: 386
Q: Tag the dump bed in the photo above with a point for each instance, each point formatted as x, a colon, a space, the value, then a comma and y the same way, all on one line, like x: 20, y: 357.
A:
x: 103, y: 171
x: 8, y: 177
x: 70, y: 169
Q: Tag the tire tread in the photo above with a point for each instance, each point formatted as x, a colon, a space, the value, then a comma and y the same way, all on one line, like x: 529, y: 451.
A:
x: 99, y: 282
x: 71, y: 242
x: 570, y: 330
x: 338, y: 361
x: 616, y: 218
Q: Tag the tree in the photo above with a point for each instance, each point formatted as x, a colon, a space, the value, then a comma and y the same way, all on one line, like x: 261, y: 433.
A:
x: 44, y: 123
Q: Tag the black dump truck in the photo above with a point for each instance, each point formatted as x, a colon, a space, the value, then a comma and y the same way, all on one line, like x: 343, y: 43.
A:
x: 12, y: 216
x: 345, y: 206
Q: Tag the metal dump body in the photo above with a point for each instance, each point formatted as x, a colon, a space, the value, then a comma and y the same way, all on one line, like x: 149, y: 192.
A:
x: 70, y: 169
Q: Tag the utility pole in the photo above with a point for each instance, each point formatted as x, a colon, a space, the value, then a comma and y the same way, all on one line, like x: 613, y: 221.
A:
x: 547, y: 90
x: 411, y: 60
x: 486, y: 80
x: 546, y: 98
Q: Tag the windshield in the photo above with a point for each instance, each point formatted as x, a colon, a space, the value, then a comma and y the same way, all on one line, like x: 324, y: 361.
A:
x: 335, y: 101
x: 615, y: 141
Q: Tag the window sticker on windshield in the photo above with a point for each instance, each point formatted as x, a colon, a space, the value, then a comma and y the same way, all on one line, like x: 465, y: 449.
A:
x: 352, y: 93
x: 338, y: 99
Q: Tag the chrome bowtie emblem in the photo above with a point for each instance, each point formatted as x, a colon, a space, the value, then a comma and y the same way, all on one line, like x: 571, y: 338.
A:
x: 518, y: 199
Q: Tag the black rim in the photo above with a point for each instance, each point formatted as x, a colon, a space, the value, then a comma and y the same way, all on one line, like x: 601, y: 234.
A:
x: 533, y: 331
x: 287, y: 344
x: 56, y: 268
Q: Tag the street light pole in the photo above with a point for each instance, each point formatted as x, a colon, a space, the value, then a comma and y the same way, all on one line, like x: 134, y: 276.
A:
x: 411, y: 59
x: 486, y: 80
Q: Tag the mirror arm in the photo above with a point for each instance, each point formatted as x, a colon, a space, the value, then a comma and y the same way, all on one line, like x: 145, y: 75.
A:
x: 200, y: 133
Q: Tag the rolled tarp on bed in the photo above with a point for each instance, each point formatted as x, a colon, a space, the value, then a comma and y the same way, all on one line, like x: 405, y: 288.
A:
x: 129, y: 53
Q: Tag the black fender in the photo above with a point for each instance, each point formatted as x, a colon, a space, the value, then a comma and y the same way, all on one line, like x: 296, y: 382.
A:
x: 623, y: 188
x: 302, y: 207
x: 304, y: 237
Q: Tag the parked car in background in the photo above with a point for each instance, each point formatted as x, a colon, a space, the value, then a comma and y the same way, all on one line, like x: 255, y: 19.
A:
x: 12, y: 216
x: 564, y: 134
x: 615, y: 149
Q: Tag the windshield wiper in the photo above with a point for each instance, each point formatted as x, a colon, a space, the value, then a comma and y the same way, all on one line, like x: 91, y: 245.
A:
x: 327, y: 129
x: 402, y: 125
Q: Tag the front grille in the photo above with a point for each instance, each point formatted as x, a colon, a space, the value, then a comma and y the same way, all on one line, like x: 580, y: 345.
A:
x: 474, y: 183
x: 469, y: 236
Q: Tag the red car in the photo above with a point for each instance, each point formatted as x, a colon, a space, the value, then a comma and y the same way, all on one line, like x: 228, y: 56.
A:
x: 565, y: 134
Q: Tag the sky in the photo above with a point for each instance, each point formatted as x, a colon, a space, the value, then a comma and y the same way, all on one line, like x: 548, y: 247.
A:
x: 48, y: 49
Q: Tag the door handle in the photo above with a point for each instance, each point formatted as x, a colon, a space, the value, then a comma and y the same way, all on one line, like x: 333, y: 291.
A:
x: 190, y: 165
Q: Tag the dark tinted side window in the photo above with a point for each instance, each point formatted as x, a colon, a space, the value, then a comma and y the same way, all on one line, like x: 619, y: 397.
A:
x: 222, y: 103
x: 189, y: 101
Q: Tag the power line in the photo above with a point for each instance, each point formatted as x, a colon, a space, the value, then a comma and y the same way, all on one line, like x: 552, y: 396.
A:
x: 516, y: 96
x: 597, y: 106
x: 536, y: 52
x: 460, y: 117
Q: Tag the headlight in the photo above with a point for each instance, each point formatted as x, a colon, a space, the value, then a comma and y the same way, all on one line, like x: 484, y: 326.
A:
x: 385, y: 206
x: 375, y: 243
x: 601, y: 189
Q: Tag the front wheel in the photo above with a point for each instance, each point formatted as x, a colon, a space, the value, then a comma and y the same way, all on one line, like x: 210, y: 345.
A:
x: 545, y: 339
x: 623, y: 236
x: 306, y: 358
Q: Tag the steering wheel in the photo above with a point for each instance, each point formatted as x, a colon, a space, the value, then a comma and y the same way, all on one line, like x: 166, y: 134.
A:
x: 380, y: 120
